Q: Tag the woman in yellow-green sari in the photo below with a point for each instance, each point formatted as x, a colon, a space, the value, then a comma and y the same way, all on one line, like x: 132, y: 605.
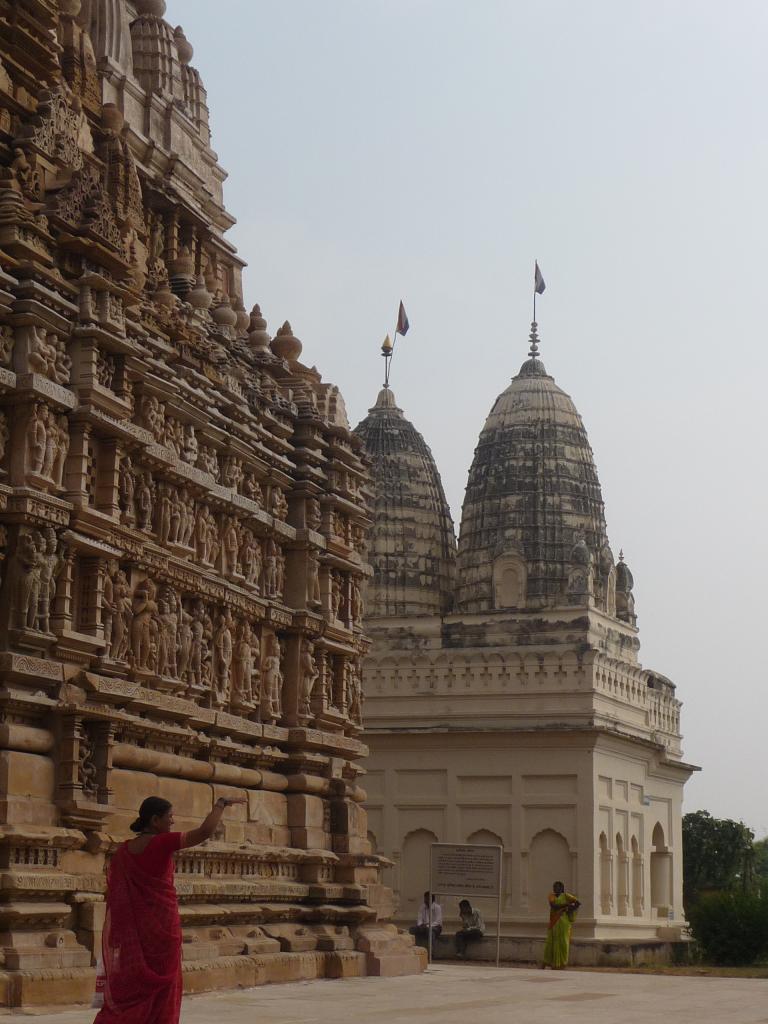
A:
x: 562, y: 910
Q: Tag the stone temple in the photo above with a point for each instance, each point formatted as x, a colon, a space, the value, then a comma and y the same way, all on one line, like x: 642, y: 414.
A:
x: 182, y: 517
x: 505, y: 702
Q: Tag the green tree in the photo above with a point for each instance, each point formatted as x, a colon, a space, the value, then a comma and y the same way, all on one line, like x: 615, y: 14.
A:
x: 718, y: 854
x: 760, y: 864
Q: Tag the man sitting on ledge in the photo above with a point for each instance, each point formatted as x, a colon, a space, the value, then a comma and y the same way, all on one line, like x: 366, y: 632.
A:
x: 421, y: 928
x: 472, y: 928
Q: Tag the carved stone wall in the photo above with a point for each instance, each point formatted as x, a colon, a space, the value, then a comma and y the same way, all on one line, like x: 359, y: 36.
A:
x: 183, y: 510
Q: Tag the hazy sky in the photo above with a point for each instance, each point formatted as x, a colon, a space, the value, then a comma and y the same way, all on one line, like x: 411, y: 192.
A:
x: 430, y: 150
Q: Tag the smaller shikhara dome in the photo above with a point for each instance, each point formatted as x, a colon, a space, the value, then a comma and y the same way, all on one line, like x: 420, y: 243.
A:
x: 412, y: 545
x: 533, y: 529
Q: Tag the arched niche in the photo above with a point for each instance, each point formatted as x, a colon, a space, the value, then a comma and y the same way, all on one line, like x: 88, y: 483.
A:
x: 622, y: 877
x: 549, y: 860
x: 510, y: 581
x: 637, y: 878
x: 606, y: 875
x: 414, y: 870
x: 661, y: 873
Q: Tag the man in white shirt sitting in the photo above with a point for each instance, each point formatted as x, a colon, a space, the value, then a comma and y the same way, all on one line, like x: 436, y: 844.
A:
x: 421, y: 928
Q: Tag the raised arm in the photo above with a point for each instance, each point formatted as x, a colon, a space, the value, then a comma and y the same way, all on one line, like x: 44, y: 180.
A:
x: 209, y: 824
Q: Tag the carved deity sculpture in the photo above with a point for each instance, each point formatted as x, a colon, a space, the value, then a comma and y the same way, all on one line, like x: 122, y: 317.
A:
x: 164, y: 509
x: 230, y: 547
x: 126, y: 489
x: 242, y: 666
x: 356, y: 602
x: 144, y: 627
x: 354, y: 692
x: 168, y: 607
x: 202, y: 634
x: 270, y: 569
x: 144, y: 501
x: 50, y: 565
x: 232, y: 472
x: 61, y: 428
x: 313, y: 581
x: 190, y: 448
x: 222, y: 658
x: 308, y: 674
x: 123, y: 616
x: 279, y: 504
x: 25, y: 577
x: 273, y: 682
x: 37, y: 433
x: 314, y: 514
x: 252, y: 490
x: 336, y: 595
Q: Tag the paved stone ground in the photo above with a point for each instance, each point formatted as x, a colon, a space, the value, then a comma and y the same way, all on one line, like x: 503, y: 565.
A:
x: 469, y: 994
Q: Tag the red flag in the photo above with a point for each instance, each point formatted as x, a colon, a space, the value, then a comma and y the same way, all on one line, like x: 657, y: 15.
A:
x: 402, y: 321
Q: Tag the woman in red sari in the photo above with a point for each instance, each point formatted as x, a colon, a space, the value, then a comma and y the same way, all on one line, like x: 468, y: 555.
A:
x: 141, y: 945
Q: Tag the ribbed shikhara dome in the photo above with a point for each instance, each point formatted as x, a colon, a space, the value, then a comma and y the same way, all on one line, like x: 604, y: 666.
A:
x: 412, y: 547
x: 533, y: 511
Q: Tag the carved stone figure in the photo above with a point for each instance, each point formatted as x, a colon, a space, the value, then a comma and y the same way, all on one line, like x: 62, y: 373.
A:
x: 314, y: 514
x: 37, y: 433
x: 242, y: 666
x: 308, y: 673
x: 200, y: 657
x: 169, y: 623
x: 354, y: 691
x: 222, y: 658
x: 232, y: 472
x: 279, y: 504
x: 335, y: 595
x: 356, y: 602
x: 145, y: 613
x: 230, y: 547
x: 313, y: 581
x: 190, y: 448
x: 273, y: 682
x: 252, y: 490
x: 270, y: 568
x: 144, y: 502
x: 49, y: 567
x: 123, y: 617
x: 25, y: 573
x: 164, y: 509
x: 61, y: 428
x: 126, y: 489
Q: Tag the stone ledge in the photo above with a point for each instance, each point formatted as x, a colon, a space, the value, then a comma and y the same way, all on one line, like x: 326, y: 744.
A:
x: 584, y: 952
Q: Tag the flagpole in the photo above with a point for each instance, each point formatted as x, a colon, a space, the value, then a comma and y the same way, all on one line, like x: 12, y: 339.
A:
x: 534, y: 290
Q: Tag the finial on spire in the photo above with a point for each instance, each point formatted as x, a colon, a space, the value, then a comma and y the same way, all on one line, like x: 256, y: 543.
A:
x: 621, y: 555
x: 386, y: 351
x: 533, y: 337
